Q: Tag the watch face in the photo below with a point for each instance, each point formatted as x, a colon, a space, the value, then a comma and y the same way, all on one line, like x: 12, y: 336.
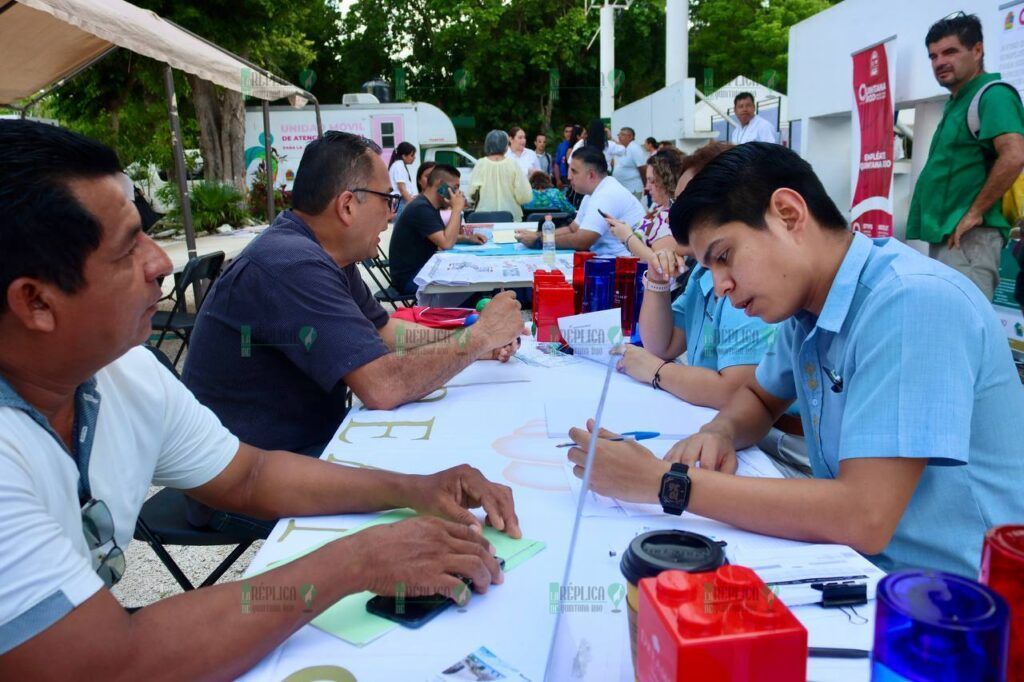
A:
x: 674, y: 492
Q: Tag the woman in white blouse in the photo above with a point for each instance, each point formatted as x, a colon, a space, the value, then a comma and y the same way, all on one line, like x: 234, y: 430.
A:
x: 401, y: 177
x: 527, y: 159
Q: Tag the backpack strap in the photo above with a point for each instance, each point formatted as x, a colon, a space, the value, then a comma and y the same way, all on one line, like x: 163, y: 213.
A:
x: 974, y: 108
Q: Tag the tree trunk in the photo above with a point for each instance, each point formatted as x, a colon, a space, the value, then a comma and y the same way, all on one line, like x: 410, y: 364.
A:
x: 221, y: 117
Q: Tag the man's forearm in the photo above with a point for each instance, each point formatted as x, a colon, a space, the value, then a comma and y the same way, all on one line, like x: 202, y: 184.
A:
x: 581, y: 240
x: 1004, y: 172
x: 656, y: 325
x: 222, y: 631
x: 409, y: 374
x: 326, y: 489
x: 744, y: 419
x: 697, y: 385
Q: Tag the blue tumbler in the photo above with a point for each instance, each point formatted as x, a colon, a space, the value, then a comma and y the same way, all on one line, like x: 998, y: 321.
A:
x: 939, y: 627
x: 598, y: 284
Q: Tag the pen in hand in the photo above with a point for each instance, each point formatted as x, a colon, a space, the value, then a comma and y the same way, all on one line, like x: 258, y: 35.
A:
x: 629, y: 435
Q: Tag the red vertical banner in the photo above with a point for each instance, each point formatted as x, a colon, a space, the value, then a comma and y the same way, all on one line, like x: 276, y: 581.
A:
x: 873, y: 141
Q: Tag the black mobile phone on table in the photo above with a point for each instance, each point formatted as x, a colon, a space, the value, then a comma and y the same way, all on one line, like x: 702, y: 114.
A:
x: 413, y: 612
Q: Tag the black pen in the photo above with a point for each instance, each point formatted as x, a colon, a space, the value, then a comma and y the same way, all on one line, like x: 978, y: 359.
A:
x: 833, y: 652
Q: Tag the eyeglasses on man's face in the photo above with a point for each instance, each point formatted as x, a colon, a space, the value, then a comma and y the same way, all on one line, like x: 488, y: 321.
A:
x: 392, y: 199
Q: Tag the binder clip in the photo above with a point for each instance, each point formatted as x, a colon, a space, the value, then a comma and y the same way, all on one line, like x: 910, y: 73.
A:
x: 835, y: 595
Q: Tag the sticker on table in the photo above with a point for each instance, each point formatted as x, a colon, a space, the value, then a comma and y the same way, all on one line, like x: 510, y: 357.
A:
x: 481, y: 664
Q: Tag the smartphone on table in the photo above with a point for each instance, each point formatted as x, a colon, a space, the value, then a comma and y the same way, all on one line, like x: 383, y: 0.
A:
x: 413, y: 612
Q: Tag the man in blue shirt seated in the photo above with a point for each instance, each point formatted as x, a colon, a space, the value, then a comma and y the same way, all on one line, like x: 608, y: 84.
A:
x: 906, y: 387
x: 291, y: 324
x: 89, y: 421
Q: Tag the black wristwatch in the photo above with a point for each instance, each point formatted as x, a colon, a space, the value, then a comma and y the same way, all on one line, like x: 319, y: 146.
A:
x: 675, y: 489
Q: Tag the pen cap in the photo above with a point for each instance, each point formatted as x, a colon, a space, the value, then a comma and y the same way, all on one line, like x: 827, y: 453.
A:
x: 939, y: 627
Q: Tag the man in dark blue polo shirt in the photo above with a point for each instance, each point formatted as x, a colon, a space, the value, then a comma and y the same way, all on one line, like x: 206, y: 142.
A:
x: 290, y: 324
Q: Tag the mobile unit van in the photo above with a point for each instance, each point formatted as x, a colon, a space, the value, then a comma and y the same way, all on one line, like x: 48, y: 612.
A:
x: 388, y: 124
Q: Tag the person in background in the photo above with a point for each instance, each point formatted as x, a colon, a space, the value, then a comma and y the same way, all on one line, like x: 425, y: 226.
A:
x: 421, y: 175
x: 546, y: 196
x: 588, y: 172
x: 402, y: 157
x: 420, y: 231
x: 650, y: 145
x: 957, y: 201
x: 663, y: 171
x: 752, y: 127
x: 540, y: 144
x: 91, y: 419
x: 570, y: 135
x: 913, y: 459
x: 499, y: 184
x: 666, y: 144
x: 629, y: 166
x: 526, y: 158
x: 596, y: 135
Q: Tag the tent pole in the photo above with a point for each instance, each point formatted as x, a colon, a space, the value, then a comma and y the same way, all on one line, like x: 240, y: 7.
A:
x: 268, y: 162
x: 180, y: 170
x: 319, y: 120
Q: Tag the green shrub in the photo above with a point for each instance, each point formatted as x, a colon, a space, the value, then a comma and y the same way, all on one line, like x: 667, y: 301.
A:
x: 213, y: 204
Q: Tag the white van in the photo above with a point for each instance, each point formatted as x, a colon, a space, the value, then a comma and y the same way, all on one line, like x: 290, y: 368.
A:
x: 422, y: 124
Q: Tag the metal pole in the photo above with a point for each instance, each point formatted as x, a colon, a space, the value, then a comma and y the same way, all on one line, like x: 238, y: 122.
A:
x: 319, y: 120
x: 607, y: 60
x: 180, y: 170
x: 677, y: 17
x: 268, y: 162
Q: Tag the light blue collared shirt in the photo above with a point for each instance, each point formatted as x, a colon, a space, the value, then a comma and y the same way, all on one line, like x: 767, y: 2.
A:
x: 718, y: 335
x: 908, y: 359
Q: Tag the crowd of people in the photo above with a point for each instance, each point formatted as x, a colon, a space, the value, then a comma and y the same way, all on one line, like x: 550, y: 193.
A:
x: 829, y: 350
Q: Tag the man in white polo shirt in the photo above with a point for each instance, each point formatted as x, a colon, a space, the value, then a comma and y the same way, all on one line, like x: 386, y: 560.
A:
x: 752, y: 128
x: 588, y: 173
x: 89, y: 420
x: 630, y: 169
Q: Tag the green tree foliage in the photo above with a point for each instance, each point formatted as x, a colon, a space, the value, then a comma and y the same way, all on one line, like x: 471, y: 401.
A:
x: 745, y: 37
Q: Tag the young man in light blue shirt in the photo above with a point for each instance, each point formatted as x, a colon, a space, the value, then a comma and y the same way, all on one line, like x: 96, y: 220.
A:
x: 906, y: 387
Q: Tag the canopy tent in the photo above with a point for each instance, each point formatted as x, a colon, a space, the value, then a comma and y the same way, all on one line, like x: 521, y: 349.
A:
x: 75, y: 34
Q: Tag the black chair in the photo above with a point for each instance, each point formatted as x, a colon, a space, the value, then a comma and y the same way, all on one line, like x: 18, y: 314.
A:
x: 386, y: 292
x: 163, y: 520
x: 559, y: 218
x: 199, y: 275
x: 489, y: 217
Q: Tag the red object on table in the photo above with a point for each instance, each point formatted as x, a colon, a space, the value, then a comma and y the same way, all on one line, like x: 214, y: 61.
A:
x: 723, y: 626
x: 578, y: 277
x: 552, y: 298
x: 1002, y: 569
x: 625, y: 291
x: 438, y: 318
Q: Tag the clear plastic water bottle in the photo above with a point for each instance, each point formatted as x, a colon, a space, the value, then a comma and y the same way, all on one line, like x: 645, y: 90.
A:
x: 548, y: 231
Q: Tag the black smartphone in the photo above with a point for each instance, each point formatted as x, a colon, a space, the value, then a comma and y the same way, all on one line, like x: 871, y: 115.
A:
x: 413, y: 612
x: 603, y: 214
x: 444, y: 190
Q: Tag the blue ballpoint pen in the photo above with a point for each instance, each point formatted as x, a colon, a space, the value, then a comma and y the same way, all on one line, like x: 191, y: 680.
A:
x: 628, y: 435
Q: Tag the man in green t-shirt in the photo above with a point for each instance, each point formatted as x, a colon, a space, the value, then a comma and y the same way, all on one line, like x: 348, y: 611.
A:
x: 956, y: 204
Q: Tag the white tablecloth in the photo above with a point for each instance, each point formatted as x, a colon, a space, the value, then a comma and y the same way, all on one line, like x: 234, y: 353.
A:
x: 493, y: 417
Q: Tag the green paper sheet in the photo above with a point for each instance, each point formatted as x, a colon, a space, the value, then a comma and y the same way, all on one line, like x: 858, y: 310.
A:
x: 348, y: 618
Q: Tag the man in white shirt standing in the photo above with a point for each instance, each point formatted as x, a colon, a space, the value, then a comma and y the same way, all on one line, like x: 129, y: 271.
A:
x: 752, y: 128
x: 89, y: 420
x: 588, y: 173
x: 630, y: 167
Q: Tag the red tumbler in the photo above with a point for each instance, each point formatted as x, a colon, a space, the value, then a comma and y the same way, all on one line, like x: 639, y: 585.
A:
x: 1002, y: 569
x: 579, y: 276
x: 625, y: 292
